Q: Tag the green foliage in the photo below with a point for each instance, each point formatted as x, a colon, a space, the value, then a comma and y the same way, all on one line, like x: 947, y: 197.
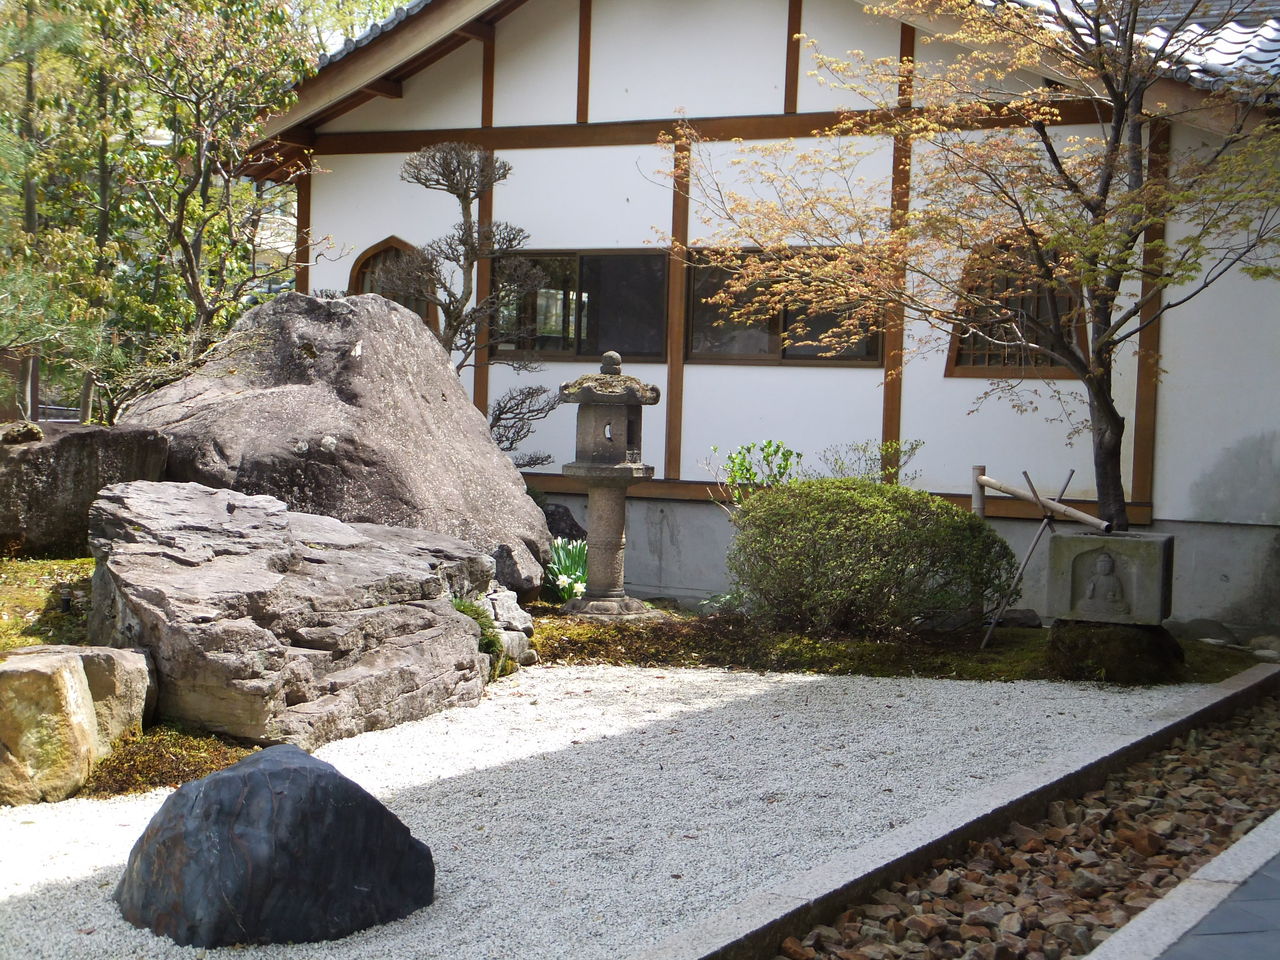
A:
x: 868, y: 460
x: 567, y: 572
x: 490, y: 639
x: 166, y: 755
x: 755, y: 466
x: 873, y: 559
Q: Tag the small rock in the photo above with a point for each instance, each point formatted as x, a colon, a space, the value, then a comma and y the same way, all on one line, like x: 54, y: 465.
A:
x: 24, y: 432
x: 1087, y: 885
x: 793, y: 949
x: 928, y: 925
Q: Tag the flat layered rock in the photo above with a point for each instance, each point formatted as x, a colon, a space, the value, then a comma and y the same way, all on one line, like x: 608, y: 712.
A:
x: 350, y: 409
x: 276, y: 626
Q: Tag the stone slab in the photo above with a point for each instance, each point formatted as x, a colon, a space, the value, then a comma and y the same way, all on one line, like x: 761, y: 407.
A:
x: 1111, y: 578
x: 752, y: 930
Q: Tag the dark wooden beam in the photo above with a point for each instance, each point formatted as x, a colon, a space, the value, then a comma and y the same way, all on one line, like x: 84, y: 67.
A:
x: 477, y: 30
x: 382, y: 87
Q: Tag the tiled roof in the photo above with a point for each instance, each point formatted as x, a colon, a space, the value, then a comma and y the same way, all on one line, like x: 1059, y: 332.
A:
x: 351, y: 44
x: 1213, y: 39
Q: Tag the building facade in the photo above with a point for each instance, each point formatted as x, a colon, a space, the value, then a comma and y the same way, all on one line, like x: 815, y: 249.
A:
x: 576, y: 95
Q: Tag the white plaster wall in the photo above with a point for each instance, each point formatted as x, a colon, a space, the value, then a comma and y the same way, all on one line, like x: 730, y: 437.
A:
x: 536, y: 64
x: 958, y: 432
x: 360, y: 200
x: 1218, y: 430
x: 856, y: 170
x: 706, y: 58
x: 837, y: 27
x: 586, y: 198
x: 443, y: 96
x: 556, y: 434
x: 807, y: 408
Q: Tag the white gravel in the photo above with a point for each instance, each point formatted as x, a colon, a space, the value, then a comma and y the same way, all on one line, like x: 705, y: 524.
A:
x: 586, y: 812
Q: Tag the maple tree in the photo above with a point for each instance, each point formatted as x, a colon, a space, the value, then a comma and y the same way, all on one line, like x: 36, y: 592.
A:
x: 1041, y: 179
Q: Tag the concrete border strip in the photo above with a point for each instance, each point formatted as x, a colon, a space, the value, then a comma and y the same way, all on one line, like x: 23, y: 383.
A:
x: 753, y: 928
x: 1162, y: 924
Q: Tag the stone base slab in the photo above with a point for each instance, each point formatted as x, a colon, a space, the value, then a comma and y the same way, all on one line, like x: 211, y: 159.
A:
x: 614, y: 608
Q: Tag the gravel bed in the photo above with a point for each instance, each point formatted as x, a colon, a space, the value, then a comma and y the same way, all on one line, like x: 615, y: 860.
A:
x: 590, y: 811
x: 1059, y: 888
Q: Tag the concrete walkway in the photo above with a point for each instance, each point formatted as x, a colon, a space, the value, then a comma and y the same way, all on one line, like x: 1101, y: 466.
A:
x: 1229, y: 909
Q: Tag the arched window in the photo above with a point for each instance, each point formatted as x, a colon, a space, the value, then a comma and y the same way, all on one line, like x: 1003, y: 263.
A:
x: 1010, y: 307
x: 365, y: 277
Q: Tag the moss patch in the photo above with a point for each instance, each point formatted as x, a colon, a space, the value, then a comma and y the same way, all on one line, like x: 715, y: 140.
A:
x: 733, y: 641
x: 166, y: 755
x: 31, y: 601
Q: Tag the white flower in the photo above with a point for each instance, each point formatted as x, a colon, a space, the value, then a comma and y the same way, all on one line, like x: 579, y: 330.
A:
x: 579, y: 589
x: 562, y: 580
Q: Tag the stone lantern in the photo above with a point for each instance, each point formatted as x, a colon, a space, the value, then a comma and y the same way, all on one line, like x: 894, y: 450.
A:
x: 608, y: 459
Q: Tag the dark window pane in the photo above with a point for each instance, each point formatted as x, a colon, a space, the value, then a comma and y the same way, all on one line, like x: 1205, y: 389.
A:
x: 711, y: 329
x: 542, y: 317
x: 865, y: 348
x: 624, y: 304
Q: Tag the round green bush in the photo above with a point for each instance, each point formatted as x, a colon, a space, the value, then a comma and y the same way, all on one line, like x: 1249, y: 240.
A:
x: 856, y: 556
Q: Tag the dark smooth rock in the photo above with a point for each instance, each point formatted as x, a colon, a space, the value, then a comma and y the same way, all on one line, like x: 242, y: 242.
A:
x: 350, y: 409
x: 1114, y: 652
x: 280, y: 848
x: 561, y: 522
x: 48, y: 482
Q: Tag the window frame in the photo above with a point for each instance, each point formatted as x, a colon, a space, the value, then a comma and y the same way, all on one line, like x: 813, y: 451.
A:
x: 777, y: 326
x: 431, y: 317
x: 523, y: 352
x: 1010, y: 371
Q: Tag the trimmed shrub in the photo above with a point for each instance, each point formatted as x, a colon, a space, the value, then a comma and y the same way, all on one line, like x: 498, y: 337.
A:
x: 861, y: 557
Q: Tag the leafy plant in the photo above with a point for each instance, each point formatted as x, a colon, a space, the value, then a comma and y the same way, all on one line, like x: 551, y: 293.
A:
x: 871, y: 558
x: 869, y: 460
x: 567, y: 571
x: 753, y: 467
x: 490, y: 638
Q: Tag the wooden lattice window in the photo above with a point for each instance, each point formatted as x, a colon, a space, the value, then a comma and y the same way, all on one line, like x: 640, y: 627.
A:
x: 365, y: 277
x: 1009, y: 304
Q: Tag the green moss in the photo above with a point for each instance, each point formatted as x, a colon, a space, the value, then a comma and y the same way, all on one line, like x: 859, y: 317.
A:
x: 726, y: 640
x: 166, y: 755
x: 490, y: 638
x: 31, y: 601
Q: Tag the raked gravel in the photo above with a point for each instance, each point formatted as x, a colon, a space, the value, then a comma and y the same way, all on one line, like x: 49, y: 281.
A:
x: 585, y: 812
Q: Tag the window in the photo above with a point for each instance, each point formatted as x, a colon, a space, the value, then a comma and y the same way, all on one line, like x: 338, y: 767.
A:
x: 587, y: 304
x: 715, y: 337
x: 365, y: 277
x: 1011, y: 302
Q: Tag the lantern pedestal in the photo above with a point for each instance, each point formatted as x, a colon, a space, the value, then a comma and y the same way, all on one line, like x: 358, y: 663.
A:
x: 608, y: 459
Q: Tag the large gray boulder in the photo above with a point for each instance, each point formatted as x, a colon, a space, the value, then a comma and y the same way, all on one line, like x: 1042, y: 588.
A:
x: 48, y: 482
x: 350, y: 409
x: 275, y: 626
x: 61, y: 710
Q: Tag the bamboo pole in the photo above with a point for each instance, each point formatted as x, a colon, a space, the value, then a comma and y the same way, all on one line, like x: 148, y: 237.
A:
x: 1051, y: 506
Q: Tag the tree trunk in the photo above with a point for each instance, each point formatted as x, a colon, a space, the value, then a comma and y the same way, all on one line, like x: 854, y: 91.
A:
x: 1107, y: 427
